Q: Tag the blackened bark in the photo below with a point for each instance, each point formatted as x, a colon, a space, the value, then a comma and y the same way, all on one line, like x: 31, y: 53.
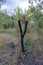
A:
x: 20, y: 27
x: 22, y: 45
x: 22, y: 34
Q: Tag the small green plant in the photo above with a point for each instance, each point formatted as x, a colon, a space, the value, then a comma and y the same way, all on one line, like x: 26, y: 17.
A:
x: 41, y: 22
x: 29, y: 46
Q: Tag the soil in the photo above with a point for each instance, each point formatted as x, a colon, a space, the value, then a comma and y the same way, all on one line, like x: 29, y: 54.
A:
x: 9, y: 53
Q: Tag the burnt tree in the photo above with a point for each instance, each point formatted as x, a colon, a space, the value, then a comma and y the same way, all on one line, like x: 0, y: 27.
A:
x: 22, y: 33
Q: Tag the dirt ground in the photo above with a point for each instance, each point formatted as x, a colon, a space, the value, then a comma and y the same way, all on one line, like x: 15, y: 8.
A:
x: 9, y: 48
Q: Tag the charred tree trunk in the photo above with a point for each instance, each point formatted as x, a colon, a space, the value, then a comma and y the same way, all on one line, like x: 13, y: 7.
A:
x: 22, y: 34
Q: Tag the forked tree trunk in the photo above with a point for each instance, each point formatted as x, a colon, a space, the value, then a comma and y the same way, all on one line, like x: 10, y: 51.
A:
x: 22, y: 34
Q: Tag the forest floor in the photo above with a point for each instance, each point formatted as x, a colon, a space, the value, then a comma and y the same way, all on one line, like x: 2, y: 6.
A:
x: 9, y: 55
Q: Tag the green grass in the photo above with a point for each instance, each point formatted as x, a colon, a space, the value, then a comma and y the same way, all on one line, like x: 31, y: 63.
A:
x: 8, y: 31
x: 30, y: 46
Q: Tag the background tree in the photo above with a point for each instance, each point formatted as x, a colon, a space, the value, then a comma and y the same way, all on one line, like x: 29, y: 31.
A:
x: 39, y: 3
x: 18, y: 13
x: 2, y: 2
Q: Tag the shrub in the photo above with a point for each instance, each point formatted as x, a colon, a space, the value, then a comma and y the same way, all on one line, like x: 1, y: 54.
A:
x: 29, y: 46
x: 41, y: 22
x: 6, y: 24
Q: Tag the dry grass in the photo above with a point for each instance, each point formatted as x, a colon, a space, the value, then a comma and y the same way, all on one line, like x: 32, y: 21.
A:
x: 5, y: 38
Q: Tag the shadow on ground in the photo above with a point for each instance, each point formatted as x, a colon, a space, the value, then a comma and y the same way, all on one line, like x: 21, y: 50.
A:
x: 31, y: 59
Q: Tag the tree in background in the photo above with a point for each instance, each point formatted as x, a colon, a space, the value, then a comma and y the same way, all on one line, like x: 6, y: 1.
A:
x: 2, y: 2
x: 36, y: 11
x: 18, y: 13
x: 39, y: 3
